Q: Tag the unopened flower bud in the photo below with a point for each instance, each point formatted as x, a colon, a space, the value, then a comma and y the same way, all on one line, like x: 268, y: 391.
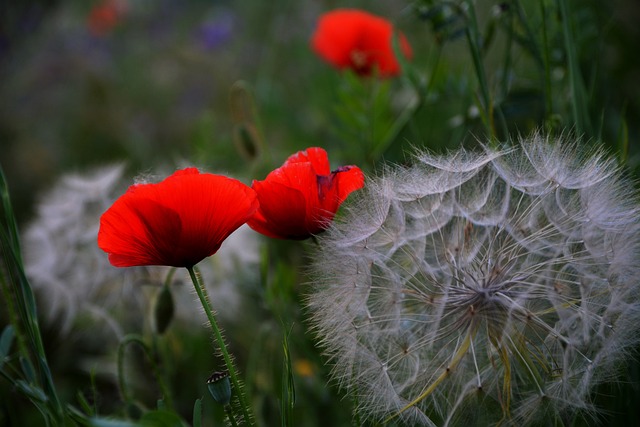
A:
x: 163, y: 310
x: 246, y: 140
x: 246, y: 136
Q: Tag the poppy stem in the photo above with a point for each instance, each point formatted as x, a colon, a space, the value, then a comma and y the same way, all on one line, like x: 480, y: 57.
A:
x: 204, y: 300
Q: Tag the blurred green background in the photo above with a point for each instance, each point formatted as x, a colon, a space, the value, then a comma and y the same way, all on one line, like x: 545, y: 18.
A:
x: 234, y: 88
x: 154, y: 89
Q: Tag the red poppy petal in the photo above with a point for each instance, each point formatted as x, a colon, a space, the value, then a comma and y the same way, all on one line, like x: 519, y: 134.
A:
x: 176, y: 222
x: 319, y: 160
x: 211, y: 207
x: 282, y: 211
x: 358, y: 40
x: 316, y: 156
x: 138, y: 231
x: 333, y: 190
x: 226, y: 205
x: 337, y: 35
x: 300, y: 176
x: 347, y: 180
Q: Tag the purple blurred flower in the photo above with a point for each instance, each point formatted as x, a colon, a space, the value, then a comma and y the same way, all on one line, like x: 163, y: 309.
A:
x: 216, y: 30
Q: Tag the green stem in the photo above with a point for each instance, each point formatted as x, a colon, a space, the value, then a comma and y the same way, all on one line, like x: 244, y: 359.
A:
x: 202, y: 295
x: 546, y: 56
x: 134, y: 338
x: 504, y: 83
x: 578, y: 99
x: 408, y: 113
x: 471, y: 32
x: 16, y: 285
x: 228, y: 409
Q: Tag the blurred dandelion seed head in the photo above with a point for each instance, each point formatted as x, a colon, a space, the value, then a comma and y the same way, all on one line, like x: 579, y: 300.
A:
x: 65, y: 266
x: 77, y: 287
x: 498, y: 287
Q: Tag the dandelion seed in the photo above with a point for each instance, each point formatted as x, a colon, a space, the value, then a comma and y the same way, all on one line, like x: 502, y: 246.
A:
x: 493, y: 288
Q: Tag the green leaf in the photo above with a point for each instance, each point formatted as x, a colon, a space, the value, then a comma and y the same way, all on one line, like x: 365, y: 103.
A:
x: 27, y: 370
x: 158, y: 418
x: 77, y: 416
x: 161, y: 418
x: 32, y: 392
x: 197, y: 413
x: 84, y: 403
x: 5, y: 343
x: 288, y: 386
x: 106, y: 422
x: 8, y: 218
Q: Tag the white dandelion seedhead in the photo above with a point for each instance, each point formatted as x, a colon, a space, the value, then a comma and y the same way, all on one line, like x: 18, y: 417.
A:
x: 490, y: 288
x: 71, y: 276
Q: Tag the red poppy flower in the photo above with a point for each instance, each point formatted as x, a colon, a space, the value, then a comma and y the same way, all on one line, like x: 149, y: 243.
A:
x: 350, y: 38
x: 301, y: 197
x: 176, y: 222
x: 104, y: 16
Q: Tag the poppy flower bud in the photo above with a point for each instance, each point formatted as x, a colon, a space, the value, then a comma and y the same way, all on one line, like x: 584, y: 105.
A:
x: 246, y: 140
x: 220, y: 387
x: 163, y: 310
x: 245, y: 133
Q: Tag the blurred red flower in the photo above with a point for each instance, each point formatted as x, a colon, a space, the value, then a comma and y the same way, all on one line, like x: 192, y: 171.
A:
x: 301, y: 197
x: 351, y: 38
x: 104, y: 16
x: 177, y: 222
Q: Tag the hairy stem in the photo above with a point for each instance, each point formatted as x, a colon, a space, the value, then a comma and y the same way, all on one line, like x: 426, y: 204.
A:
x: 204, y: 300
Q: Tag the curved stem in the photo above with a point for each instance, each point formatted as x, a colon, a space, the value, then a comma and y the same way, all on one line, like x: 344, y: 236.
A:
x: 578, y: 96
x: 134, y: 338
x: 489, y: 110
x: 204, y: 300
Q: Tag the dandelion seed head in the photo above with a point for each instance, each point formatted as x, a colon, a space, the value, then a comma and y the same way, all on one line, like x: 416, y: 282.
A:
x: 62, y: 260
x: 498, y: 286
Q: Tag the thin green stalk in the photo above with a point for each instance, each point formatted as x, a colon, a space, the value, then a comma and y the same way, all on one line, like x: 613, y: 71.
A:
x: 398, y: 125
x: 408, y: 113
x: 504, y: 83
x: 228, y: 409
x: 8, y: 244
x: 578, y: 98
x: 623, y: 137
x: 473, y: 39
x: 288, y: 398
x: 204, y: 300
x: 9, y: 301
x: 546, y: 57
x: 23, y: 305
x: 137, y: 339
x: 531, y: 35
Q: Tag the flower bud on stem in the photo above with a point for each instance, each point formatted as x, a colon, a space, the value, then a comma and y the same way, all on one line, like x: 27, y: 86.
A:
x: 204, y: 300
